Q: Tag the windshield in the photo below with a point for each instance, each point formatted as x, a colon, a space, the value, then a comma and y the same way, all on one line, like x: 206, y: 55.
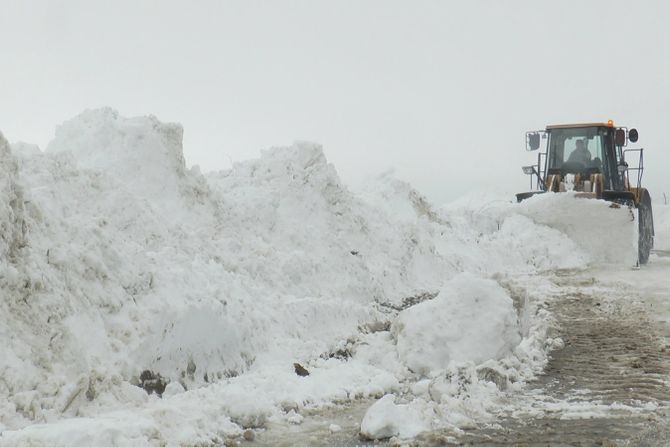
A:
x: 576, y: 149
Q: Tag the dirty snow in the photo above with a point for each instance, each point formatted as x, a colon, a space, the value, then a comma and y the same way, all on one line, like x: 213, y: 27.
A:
x: 116, y: 258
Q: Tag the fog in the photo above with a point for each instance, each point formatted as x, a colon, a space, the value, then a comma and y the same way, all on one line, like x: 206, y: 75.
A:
x: 441, y: 92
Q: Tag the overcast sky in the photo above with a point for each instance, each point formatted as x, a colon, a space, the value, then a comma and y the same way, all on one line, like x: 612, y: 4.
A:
x: 441, y: 91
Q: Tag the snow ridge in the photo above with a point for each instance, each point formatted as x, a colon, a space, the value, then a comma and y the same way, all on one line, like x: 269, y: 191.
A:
x: 116, y: 259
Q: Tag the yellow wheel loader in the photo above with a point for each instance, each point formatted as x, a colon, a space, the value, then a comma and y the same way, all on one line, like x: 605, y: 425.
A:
x: 591, y: 160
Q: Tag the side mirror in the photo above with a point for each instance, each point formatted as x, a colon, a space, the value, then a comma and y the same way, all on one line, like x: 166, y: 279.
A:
x: 620, y: 137
x: 532, y: 141
x: 632, y: 135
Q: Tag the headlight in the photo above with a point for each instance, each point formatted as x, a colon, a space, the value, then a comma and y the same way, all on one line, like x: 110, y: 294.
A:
x: 529, y: 170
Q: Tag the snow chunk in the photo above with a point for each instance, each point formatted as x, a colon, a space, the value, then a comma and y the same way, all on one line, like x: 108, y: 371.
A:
x: 385, y: 419
x: 471, y: 320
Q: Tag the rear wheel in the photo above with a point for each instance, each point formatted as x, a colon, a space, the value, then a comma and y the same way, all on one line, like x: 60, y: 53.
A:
x: 646, y: 228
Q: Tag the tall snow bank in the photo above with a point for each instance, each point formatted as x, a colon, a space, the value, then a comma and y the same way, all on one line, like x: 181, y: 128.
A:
x: 116, y: 258
x: 125, y: 265
x: 471, y: 320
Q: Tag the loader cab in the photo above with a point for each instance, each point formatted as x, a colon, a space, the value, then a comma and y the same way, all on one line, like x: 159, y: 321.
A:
x: 586, y: 158
x: 584, y: 150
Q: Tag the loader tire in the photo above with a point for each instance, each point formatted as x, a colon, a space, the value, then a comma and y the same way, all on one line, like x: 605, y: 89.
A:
x: 646, y: 228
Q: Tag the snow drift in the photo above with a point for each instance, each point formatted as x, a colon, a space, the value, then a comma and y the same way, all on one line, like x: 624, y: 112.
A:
x: 116, y: 259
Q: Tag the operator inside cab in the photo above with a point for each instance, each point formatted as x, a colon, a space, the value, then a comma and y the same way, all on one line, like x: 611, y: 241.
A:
x: 581, y: 154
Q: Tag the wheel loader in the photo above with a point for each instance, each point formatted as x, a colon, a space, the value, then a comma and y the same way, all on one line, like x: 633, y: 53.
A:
x: 592, y: 161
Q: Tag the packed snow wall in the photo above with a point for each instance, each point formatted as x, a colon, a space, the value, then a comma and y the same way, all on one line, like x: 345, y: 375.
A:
x: 129, y: 261
x: 116, y: 258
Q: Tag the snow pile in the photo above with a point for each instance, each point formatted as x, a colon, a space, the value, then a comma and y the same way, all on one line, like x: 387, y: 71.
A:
x: 129, y: 262
x: 191, y: 285
x: 494, y: 235
x: 471, y: 320
x: 586, y: 221
x: 120, y: 267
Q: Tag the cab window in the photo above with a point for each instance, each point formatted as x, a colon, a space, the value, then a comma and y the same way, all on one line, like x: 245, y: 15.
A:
x: 564, y: 142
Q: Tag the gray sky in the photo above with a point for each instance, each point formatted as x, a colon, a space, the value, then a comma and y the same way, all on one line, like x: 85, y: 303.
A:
x: 441, y: 91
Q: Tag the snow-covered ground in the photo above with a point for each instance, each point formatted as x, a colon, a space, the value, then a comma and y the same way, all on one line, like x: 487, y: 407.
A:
x: 121, y: 267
